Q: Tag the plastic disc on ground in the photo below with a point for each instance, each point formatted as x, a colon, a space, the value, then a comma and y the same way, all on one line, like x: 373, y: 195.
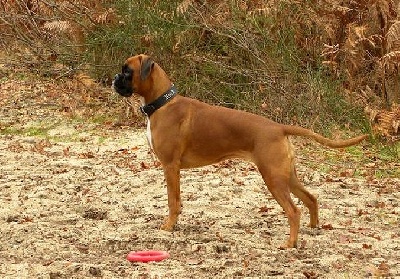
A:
x: 147, y: 256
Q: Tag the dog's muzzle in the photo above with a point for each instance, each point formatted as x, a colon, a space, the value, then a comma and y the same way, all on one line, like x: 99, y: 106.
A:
x: 122, y: 84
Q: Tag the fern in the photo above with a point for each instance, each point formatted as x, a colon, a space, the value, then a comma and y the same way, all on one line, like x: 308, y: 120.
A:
x: 58, y: 26
x: 393, y: 37
x: 385, y: 122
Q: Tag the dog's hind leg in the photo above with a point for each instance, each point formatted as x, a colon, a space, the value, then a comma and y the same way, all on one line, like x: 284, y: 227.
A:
x: 278, y: 184
x: 297, y: 188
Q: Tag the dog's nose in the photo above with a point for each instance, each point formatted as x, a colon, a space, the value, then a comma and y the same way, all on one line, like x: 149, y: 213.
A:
x: 115, y: 80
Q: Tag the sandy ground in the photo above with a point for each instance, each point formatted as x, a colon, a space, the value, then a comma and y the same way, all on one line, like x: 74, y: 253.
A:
x: 76, y: 201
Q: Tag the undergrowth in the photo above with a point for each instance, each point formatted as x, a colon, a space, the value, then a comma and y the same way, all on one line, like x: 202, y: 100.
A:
x: 287, y: 60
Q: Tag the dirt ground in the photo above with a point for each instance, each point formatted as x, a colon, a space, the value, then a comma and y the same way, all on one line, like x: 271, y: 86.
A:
x: 78, y: 196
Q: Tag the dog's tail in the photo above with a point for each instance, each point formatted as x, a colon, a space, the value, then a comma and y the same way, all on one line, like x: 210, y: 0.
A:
x: 299, y: 131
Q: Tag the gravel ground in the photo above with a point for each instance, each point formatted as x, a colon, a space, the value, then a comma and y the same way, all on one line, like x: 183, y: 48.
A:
x: 78, y: 197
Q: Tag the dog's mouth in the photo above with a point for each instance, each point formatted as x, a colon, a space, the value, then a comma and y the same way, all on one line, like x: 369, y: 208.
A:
x: 122, y: 82
x: 122, y: 86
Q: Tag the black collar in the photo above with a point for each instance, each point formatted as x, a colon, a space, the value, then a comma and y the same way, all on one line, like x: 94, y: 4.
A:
x: 149, y: 109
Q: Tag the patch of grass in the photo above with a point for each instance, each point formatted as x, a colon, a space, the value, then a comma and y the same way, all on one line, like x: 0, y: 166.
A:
x: 79, y: 128
x: 356, y: 151
x: 101, y: 139
x: 389, y: 151
x: 387, y: 157
x: 366, y: 160
x: 37, y: 131
x: 11, y: 131
x: 386, y: 173
x: 101, y: 119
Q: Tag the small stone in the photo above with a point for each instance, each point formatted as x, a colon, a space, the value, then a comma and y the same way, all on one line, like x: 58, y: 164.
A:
x: 95, y: 271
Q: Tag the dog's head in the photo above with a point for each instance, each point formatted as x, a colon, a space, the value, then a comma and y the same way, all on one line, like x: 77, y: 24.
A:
x: 135, y: 76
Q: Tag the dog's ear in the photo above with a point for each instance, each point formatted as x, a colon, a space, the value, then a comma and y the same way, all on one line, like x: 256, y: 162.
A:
x: 146, y: 67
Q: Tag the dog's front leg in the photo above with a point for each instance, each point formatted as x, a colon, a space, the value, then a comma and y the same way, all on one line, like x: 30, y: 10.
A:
x: 172, y: 176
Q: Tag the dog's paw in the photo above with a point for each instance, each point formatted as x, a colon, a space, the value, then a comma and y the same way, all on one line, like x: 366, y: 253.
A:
x: 313, y: 225
x: 288, y: 245
x: 167, y: 226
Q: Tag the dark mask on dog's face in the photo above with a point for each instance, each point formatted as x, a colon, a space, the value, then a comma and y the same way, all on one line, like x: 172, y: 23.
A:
x: 123, y: 82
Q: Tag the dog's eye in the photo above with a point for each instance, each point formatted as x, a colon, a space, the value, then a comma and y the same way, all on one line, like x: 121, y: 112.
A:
x: 126, y: 70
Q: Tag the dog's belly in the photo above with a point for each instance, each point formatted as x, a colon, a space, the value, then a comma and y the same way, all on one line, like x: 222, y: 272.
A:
x: 195, y: 160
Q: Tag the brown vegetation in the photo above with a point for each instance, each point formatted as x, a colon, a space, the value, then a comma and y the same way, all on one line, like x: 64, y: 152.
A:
x: 260, y: 49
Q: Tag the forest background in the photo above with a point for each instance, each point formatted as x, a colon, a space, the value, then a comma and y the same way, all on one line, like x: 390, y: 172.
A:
x: 321, y: 64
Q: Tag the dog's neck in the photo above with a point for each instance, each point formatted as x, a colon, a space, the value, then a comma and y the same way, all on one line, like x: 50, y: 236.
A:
x: 149, y: 108
x: 150, y: 97
x: 158, y: 89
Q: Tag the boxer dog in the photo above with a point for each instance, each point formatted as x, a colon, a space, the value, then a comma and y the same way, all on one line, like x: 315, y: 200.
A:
x: 186, y: 133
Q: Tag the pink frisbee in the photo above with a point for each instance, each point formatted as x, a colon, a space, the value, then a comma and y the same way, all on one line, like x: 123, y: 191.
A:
x: 147, y: 256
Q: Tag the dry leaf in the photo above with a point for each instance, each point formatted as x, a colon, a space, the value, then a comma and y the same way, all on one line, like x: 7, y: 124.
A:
x: 367, y: 246
x: 327, y: 227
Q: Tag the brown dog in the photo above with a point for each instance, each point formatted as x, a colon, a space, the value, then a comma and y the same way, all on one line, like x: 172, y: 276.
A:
x: 186, y: 133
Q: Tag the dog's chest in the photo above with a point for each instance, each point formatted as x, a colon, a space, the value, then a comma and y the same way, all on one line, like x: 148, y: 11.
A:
x: 148, y: 129
x: 148, y: 134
